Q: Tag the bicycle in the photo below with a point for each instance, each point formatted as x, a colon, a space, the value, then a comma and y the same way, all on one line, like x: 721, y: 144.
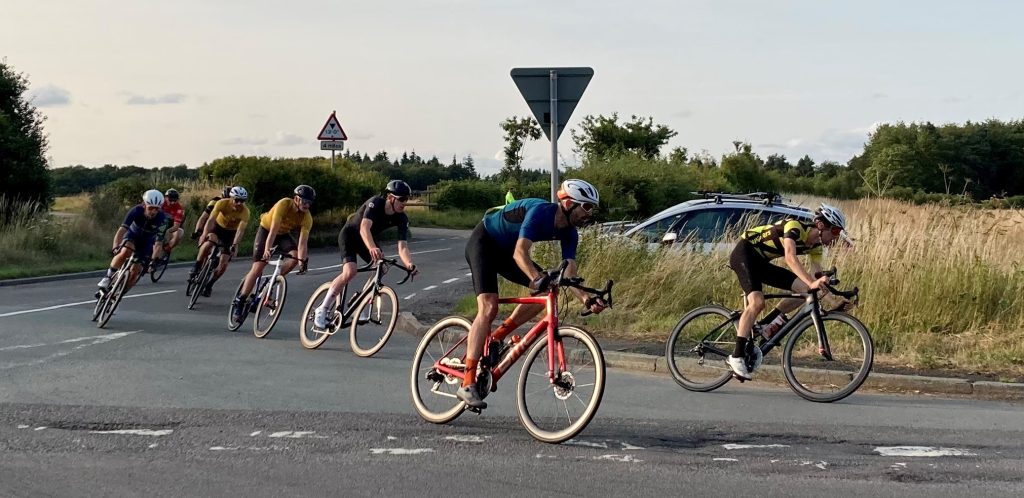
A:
x: 368, y: 304
x: 818, y: 366
x: 158, y: 267
x: 267, y: 296
x: 108, y: 299
x: 545, y: 396
x: 197, y: 283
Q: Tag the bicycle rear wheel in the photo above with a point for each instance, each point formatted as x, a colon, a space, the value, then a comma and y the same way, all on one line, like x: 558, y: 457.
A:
x: 310, y: 336
x: 271, y: 304
x: 828, y: 375
x: 697, y: 348
x: 157, y: 269
x: 554, y: 413
x: 232, y: 324
x: 433, y: 393
x: 374, y: 322
x: 113, y: 297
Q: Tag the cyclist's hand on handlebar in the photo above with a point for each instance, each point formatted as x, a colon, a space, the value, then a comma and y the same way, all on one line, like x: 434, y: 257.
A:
x: 266, y: 255
x: 595, y: 304
x: 376, y: 254
x: 195, y: 235
x: 233, y: 250
x: 819, y: 283
x: 541, y: 283
x: 413, y: 271
x: 303, y: 266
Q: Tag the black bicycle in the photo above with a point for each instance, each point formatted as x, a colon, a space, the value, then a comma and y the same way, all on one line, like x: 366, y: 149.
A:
x: 376, y: 307
x: 200, y: 280
x: 159, y: 266
x: 827, y: 357
x: 108, y: 299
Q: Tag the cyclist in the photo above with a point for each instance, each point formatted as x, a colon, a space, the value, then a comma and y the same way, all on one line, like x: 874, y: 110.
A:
x: 138, y: 232
x: 171, y: 232
x: 500, y: 245
x: 358, y: 237
x: 751, y: 261
x: 203, y: 218
x: 287, y: 215
x: 225, y: 229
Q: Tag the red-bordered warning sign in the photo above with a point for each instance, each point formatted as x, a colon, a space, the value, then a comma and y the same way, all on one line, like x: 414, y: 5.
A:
x: 332, y: 130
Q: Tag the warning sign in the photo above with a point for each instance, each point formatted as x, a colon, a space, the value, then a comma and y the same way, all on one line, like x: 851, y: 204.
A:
x: 332, y: 130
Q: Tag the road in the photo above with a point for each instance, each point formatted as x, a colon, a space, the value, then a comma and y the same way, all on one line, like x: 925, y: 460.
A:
x: 167, y: 402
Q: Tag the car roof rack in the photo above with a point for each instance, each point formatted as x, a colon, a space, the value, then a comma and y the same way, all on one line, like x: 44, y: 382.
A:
x: 767, y: 198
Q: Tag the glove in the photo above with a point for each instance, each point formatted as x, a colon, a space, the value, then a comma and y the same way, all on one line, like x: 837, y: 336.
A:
x: 195, y: 235
x: 541, y: 283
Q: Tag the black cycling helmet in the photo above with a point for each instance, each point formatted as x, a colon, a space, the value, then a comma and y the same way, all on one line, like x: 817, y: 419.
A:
x: 399, y: 188
x: 172, y: 195
x: 306, y: 192
x: 226, y: 192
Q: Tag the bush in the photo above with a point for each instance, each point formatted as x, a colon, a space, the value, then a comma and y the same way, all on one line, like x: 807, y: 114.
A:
x: 468, y: 194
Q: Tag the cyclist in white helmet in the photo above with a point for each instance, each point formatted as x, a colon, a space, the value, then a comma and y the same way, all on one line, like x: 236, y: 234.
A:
x: 225, y: 228
x: 500, y: 245
x: 751, y: 261
x: 139, y: 231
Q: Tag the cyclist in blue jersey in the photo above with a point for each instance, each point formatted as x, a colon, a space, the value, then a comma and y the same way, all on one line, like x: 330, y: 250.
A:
x: 500, y: 245
x: 139, y: 231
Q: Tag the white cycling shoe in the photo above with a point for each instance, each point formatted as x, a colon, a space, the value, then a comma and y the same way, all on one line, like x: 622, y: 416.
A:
x: 739, y: 367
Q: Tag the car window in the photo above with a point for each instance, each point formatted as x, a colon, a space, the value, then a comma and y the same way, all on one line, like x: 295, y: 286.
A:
x: 710, y: 225
x: 653, y: 232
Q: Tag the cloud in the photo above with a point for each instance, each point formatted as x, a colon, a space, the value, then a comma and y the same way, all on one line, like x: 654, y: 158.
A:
x: 831, y: 145
x: 169, y: 98
x: 243, y: 141
x: 879, y: 96
x: 51, y: 96
x: 285, y: 138
x: 685, y: 113
x: 360, y: 136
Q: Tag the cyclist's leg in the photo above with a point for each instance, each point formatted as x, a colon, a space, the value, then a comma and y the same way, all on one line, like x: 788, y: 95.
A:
x: 174, y: 236
x: 286, y: 245
x: 143, y: 254
x: 522, y: 313
x: 745, y: 263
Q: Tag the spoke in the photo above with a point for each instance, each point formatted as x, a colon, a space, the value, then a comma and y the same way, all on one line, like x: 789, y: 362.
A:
x: 541, y: 390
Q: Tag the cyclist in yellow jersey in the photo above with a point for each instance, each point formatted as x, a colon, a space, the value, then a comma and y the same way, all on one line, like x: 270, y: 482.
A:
x: 203, y: 218
x: 276, y: 225
x: 225, y: 227
x: 751, y: 261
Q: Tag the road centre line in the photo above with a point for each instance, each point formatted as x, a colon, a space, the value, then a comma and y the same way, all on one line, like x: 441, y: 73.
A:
x: 429, y: 287
x: 409, y: 296
x: 48, y: 308
x: 390, y: 256
x: 450, y: 280
x: 66, y: 341
x: 98, y: 340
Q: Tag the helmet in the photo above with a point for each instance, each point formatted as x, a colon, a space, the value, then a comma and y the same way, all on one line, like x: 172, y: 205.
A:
x: 153, y: 197
x: 306, y: 192
x: 399, y: 188
x: 226, y: 191
x: 579, y: 191
x: 831, y: 215
x: 239, y: 193
x: 172, y: 195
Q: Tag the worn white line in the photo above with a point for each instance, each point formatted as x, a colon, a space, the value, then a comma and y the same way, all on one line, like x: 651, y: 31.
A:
x: 580, y: 442
x: 725, y: 459
x: 469, y: 274
x: 386, y: 256
x: 137, y: 432
x: 48, y: 308
x: 409, y: 296
x: 401, y: 451
x: 450, y: 280
x: 117, y: 335
x: 751, y: 446
x: 97, y: 340
x: 465, y: 439
x: 429, y: 287
x: 922, y: 451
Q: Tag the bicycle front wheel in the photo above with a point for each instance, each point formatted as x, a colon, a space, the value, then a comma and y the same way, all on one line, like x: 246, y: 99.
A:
x: 156, y: 271
x: 271, y: 304
x: 698, y: 347
x: 202, y: 279
x: 433, y: 392
x: 232, y: 324
x: 829, y: 370
x: 310, y: 336
x: 554, y: 412
x: 113, y: 297
x: 375, y: 318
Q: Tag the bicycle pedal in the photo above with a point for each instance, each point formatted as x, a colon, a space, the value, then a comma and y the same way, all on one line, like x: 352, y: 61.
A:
x: 477, y: 411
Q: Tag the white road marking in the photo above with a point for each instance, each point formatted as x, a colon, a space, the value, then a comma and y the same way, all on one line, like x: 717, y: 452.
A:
x: 450, y: 280
x: 76, y: 339
x: 99, y: 339
x: 465, y: 439
x: 619, y: 458
x: 392, y: 438
x: 725, y: 459
x: 223, y: 448
x: 922, y: 451
x: 154, y: 445
x: 48, y: 308
x: 39, y: 428
x: 627, y: 446
x: 580, y: 442
x: 137, y: 432
x: 751, y: 446
x: 409, y: 296
x: 257, y: 433
x: 297, y: 434
x: 429, y: 287
x: 386, y: 256
x: 469, y: 274
x: 23, y: 426
x: 401, y: 451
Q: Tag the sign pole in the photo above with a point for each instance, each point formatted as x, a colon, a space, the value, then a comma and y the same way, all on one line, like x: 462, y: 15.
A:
x: 332, y: 159
x: 554, y: 135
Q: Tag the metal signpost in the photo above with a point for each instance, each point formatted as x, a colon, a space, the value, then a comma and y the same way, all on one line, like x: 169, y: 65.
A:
x: 332, y: 136
x: 552, y: 94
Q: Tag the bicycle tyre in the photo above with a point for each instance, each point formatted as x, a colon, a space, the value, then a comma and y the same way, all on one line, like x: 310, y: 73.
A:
x: 113, y: 297
x: 804, y: 379
x: 157, y: 269
x: 202, y: 280
x: 232, y: 325
x: 680, y: 342
x: 376, y: 301
x: 439, y: 390
x: 272, y: 293
x: 560, y: 395
x: 309, y: 337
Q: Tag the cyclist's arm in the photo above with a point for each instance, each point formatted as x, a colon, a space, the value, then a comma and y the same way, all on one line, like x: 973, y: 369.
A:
x: 570, y: 271
x: 239, y: 233
x: 403, y: 252
x: 303, y: 241
x: 789, y: 246
x: 119, y: 236
x: 210, y: 222
x: 522, y: 258
x: 366, y: 234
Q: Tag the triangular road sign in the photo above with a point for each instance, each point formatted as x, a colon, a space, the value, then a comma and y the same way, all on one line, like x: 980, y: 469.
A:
x: 535, y: 85
x: 332, y: 130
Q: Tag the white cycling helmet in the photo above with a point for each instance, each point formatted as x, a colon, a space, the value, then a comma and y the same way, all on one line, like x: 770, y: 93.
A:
x: 153, y: 197
x: 579, y: 191
x: 238, y: 192
x: 832, y: 215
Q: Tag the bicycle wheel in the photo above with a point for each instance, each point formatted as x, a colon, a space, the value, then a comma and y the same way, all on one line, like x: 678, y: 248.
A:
x: 157, y: 269
x: 813, y: 375
x: 433, y: 393
x: 375, y: 321
x: 698, y: 347
x: 271, y: 304
x: 232, y: 324
x: 113, y: 297
x: 553, y: 413
x: 202, y: 279
x: 310, y: 336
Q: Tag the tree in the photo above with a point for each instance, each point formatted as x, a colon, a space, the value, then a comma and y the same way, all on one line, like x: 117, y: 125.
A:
x: 517, y: 132
x: 601, y: 137
x: 805, y: 166
x: 777, y: 162
x: 23, y: 165
x: 745, y: 170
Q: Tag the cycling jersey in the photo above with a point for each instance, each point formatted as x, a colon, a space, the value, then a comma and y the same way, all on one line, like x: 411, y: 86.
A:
x: 175, y: 211
x: 209, y: 205
x: 287, y: 216
x: 373, y: 210
x: 225, y: 216
x: 767, y: 239
x: 530, y: 219
x: 141, y: 227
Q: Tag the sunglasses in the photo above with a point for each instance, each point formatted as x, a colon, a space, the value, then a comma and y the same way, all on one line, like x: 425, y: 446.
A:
x: 587, y: 207
x: 239, y: 201
x: 152, y: 208
x: 402, y: 198
x: 836, y: 231
x: 305, y: 202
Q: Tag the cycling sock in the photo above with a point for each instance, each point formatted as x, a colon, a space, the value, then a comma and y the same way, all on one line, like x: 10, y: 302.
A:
x: 328, y: 299
x: 195, y: 267
x: 470, y: 377
x: 741, y: 347
x: 770, y: 316
x: 504, y: 329
x: 213, y: 280
x: 110, y: 272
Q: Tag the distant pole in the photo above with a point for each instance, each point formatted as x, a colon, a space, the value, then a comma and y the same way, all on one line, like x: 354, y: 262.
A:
x: 332, y: 159
x: 554, y: 136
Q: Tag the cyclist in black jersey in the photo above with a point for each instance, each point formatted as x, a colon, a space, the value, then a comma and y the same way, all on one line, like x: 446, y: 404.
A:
x: 201, y: 222
x: 358, y: 238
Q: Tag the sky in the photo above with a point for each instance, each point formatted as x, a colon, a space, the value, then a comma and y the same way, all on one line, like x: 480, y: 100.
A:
x: 158, y: 83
